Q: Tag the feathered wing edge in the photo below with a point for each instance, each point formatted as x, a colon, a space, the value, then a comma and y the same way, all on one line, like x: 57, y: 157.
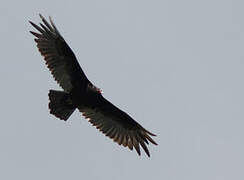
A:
x: 132, y: 138
x: 55, y: 51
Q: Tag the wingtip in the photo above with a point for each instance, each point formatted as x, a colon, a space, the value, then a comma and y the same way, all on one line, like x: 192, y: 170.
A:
x: 41, y: 16
x: 138, y: 152
x: 155, y: 143
x: 50, y: 18
x: 150, y: 133
x: 31, y: 22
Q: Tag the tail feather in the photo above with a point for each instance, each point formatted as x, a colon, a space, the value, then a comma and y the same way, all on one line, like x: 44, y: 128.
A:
x: 60, y: 104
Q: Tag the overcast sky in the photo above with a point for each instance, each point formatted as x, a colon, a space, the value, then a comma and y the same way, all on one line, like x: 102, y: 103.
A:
x: 177, y: 67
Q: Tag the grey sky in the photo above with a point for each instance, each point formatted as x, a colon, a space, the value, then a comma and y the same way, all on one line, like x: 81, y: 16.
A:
x: 177, y: 67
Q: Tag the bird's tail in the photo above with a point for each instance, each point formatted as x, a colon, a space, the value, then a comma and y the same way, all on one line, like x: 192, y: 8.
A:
x: 60, y: 104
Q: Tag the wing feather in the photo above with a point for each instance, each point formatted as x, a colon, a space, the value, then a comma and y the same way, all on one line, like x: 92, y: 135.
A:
x: 117, y: 125
x: 59, y: 58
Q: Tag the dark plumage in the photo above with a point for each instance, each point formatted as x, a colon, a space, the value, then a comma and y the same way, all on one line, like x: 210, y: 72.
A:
x: 80, y: 93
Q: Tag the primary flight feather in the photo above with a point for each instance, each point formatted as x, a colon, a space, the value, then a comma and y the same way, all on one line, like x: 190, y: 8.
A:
x: 80, y: 93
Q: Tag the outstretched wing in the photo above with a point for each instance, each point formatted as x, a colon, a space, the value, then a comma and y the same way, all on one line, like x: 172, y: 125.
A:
x: 59, y: 58
x: 116, y: 124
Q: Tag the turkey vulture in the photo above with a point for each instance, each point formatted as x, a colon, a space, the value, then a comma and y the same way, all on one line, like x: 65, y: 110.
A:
x: 78, y: 92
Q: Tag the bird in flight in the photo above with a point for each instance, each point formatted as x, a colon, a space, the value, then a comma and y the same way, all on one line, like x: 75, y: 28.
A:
x: 78, y: 92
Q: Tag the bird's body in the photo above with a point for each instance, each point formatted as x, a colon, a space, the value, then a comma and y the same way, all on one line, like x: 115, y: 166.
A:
x: 80, y: 93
